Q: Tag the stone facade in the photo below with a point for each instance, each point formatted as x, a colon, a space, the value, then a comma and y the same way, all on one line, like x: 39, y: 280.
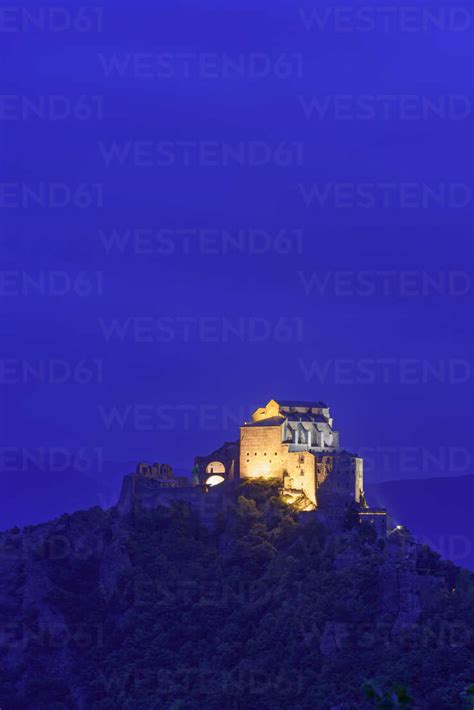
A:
x: 295, y: 442
x: 263, y: 454
x: 339, y: 476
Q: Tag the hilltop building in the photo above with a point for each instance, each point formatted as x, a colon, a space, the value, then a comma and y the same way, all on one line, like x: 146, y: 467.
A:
x: 293, y: 442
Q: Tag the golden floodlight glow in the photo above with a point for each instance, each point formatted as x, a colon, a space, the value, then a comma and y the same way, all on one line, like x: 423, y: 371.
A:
x: 214, y: 480
x: 262, y: 470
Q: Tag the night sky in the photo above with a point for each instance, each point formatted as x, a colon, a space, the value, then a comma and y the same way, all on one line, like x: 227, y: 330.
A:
x: 209, y: 204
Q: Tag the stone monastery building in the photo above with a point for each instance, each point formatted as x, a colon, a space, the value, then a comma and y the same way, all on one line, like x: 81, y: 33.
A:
x: 295, y: 443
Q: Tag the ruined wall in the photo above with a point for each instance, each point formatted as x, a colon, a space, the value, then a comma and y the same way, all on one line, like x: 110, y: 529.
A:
x: 146, y: 491
x: 227, y: 455
x: 139, y: 493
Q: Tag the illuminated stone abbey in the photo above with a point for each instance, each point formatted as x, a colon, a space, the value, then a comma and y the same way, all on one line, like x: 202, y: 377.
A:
x: 295, y: 443
x: 291, y: 443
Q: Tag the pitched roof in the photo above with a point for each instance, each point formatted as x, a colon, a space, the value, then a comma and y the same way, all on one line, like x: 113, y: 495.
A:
x: 304, y: 417
x: 297, y: 403
x: 272, y: 421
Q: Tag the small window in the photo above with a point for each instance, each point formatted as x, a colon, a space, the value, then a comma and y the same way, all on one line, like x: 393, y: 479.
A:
x: 265, y: 453
x: 301, y: 459
x: 255, y: 453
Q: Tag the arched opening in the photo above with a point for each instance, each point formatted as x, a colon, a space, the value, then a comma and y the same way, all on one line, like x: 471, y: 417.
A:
x: 214, y: 480
x: 215, y: 467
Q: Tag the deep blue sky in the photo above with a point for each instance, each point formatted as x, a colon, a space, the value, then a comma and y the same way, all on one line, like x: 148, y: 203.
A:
x: 339, y: 183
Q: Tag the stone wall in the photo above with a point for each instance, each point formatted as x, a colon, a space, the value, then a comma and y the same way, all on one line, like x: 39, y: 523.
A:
x: 227, y: 455
x: 263, y: 455
x: 333, y: 478
x: 339, y: 476
x: 139, y: 493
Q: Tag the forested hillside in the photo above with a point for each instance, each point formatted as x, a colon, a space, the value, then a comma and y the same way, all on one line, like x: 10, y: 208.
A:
x: 156, y: 611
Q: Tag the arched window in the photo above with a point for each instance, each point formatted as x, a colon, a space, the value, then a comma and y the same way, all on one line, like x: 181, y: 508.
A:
x: 215, y: 467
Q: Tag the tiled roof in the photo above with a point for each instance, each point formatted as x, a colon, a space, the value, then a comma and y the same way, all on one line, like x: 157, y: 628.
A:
x: 272, y: 421
x: 296, y: 403
x: 296, y: 417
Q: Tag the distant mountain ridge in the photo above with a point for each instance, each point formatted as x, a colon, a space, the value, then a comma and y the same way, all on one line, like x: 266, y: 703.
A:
x: 34, y: 494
